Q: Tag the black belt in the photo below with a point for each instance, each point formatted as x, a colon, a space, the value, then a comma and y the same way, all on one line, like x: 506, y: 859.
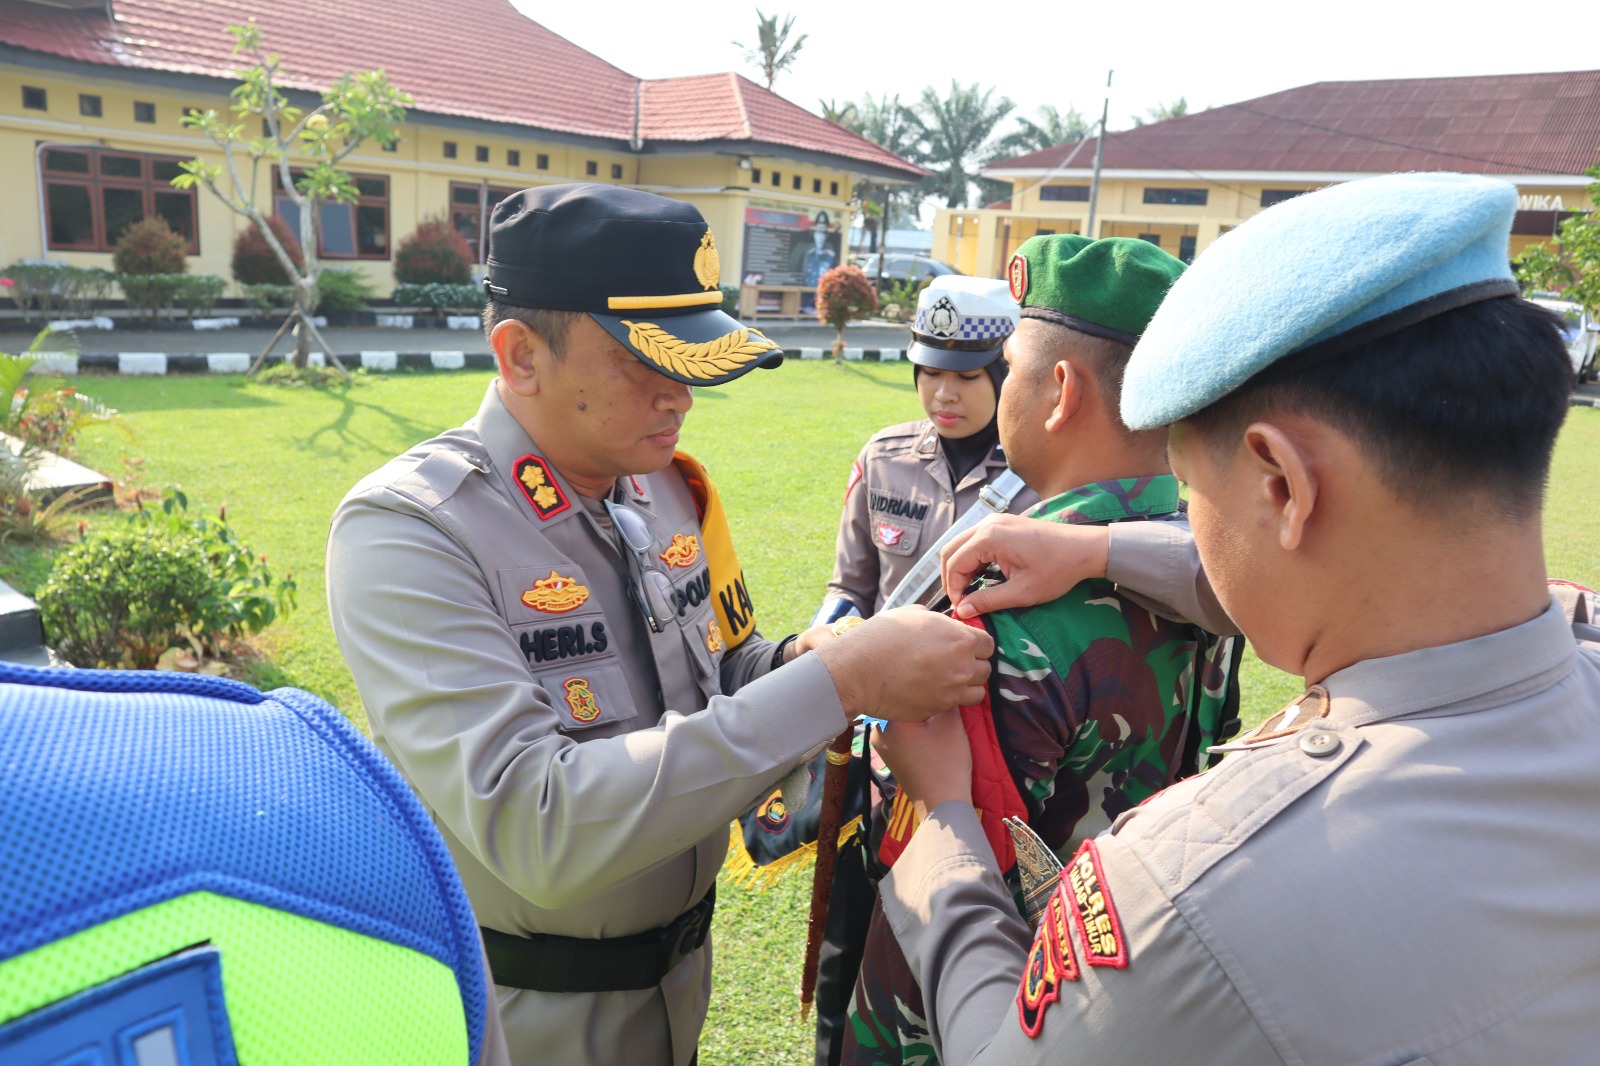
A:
x: 548, y: 963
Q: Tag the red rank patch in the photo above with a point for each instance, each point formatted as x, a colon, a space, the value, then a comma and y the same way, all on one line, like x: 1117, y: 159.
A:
x: 1093, y: 911
x: 538, y: 484
x: 855, y: 476
x: 1050, y: 962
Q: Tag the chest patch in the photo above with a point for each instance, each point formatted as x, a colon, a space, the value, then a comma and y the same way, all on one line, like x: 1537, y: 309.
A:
x: 714, y: 641
x: 580, y: 699
x: 888, y: 535
x: 555, y: 594
x: 1093, y: 911
x: 538, y: 484
x: 684, y: 551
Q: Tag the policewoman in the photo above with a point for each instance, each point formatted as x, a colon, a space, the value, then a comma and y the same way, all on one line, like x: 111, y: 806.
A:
x: 544, y: 614
x: 914, y: 479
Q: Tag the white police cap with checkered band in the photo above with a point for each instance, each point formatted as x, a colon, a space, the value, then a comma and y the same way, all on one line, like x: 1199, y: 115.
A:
x: 962, y: 323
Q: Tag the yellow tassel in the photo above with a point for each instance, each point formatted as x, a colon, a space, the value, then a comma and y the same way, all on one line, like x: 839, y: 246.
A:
x: 740, y: 869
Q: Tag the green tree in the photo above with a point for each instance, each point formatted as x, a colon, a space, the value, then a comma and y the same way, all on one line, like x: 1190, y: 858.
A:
x: 888, y: 123
x: 1161, y: 112
x: 355, y: 109
x: 956, y: 137
x: 774, y: 52
x: 840, y: 114
x: 1570, y: 263
x: 1054, y: 127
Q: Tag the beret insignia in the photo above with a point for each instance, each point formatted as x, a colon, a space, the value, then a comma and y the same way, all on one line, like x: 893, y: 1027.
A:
x: 538, y: 484
x: 1017, y: 275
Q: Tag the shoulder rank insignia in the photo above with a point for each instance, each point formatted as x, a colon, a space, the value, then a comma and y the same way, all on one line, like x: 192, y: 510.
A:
x: 555, y: 594
x: 580, y: 699
x: 1093, y: 911
x: 888, y: 535
x: 1050, y: 962
x: 714, y: 641
x: 538, y: 484
x: 684, y: 551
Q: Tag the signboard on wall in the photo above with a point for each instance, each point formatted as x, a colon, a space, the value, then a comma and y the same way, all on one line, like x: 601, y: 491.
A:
x: 784, y: 245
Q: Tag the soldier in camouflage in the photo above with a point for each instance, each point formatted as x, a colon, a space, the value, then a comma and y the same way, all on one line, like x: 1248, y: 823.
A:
x: 1095, y: 702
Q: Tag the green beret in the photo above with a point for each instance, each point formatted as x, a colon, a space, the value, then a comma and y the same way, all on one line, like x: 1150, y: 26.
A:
x: 1107, y: 288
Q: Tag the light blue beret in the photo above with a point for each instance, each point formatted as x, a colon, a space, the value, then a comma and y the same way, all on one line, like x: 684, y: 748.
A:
x: 1339, y: 266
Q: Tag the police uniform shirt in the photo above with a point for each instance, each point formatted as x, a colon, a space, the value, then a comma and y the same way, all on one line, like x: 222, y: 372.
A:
x: 556, y: 740
x: 899, y: 501
x: 1283, y: 907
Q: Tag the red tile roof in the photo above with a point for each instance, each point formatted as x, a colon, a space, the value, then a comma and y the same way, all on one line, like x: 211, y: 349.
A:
x: 1504, y: 124
x: 536, y: 78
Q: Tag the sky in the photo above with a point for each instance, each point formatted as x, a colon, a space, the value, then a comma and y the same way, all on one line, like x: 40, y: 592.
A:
x: 1059, y: 53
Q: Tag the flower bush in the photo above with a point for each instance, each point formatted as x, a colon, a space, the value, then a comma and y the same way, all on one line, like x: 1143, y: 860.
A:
x: 253, y: 260
x: 844, y: 295
x: 150, y: 246
x: 434, y: 254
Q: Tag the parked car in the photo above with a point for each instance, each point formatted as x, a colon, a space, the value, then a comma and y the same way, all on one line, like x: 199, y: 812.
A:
x: 903, y: 267
x: 1582, y: 333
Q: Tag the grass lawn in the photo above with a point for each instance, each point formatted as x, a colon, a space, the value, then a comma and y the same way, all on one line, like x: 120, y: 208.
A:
x: 780, y: 446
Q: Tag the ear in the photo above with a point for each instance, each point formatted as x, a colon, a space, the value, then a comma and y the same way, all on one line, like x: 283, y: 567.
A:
x: 519, y: 352
x: 1069, y: 385
x: 1287, y: 480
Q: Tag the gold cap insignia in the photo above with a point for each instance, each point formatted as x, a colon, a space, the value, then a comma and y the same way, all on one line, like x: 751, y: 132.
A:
x: 580, y: 699
x: 707, y: 265
x: 714, y: 642
x: 690, y: 361
x: 682, y: 552
x: 555, y: 595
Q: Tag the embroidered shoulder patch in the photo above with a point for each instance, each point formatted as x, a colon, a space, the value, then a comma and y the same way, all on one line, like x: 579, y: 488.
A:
x: 855, y: 476
x: 538, y: 484
x: 1050, y: 962
x: 684, y: 551
x: 1093, y: 911
x: 580, y: 699
x: 555, y: 594
x: 772, y: 815
x: 888, y: 535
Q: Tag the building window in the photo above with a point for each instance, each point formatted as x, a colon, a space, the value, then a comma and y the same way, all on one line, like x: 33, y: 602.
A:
x: 591, y: 168
x: 833, y: 188
x: 143, y: 112
x: 755, y: 176
x: 481, y: 153
x: 1181, y: 197
x: 513, y: 157
x: 392, y: 146
x: 1070, y: 193
x: 1186, y: 249
x: 816, y: 185
x: 797, y: 183
x: 1153, y: 238
x: 541, y: 161
x: 89, y: 104
x: 34, y: 99
x: 93, y: 194
x: 358, y: 230
x: 777, y: 179
x: 616, y: 171
x: 449, y: 149
x: 469, y: 206
x: 1278, y: 196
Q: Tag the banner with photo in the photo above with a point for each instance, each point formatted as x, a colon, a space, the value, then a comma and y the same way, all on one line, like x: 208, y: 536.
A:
x: 787, y: 245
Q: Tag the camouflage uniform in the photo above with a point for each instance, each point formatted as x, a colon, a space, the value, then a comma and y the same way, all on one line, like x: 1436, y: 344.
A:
x: 1096, y: 708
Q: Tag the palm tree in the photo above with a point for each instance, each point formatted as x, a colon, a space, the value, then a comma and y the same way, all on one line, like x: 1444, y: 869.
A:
x: 956, y: 132
x: 844, y: 114
x: 888, y: 123
x: 1054, y: 127
x: 774, y: 53
x: 1161, y: 112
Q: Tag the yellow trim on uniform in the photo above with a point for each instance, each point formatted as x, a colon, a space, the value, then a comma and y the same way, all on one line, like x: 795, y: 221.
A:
x: 645, y: 303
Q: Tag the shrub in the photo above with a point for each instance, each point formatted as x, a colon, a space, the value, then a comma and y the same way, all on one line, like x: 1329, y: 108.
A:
x: 198, y: 292
x: 342, y: 289
x: 843, y: 295
x: 438, y: 297
x: 253, y: 260
x: 150, y: 246
x: 121, y: 596
x: 266, y: 297
x: 435, y: 253
x: 151, y: 292
x: 47, y: 287
x: 730, y: 300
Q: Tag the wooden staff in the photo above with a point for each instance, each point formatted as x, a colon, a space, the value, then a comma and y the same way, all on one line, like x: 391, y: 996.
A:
x: 832, y: 814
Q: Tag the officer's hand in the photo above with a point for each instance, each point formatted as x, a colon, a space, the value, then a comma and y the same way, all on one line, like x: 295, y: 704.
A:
x: 931, y: 760
x: 1040, y: 561
x: 810, y: 640
x: 908, y: 664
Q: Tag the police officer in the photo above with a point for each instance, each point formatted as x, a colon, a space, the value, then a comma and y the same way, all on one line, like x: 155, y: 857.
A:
x: 912, y: 480
x: 544, y: 614
x: 1402, y: 865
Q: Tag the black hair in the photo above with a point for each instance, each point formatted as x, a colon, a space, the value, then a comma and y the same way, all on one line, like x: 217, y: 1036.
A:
x: 1468, y: 401
x: 551, y: 325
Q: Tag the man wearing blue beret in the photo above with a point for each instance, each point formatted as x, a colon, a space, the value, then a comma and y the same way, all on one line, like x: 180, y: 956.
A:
x: 1403, y: 864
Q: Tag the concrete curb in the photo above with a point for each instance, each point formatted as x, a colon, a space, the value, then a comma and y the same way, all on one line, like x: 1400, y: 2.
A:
x: 158, y: 363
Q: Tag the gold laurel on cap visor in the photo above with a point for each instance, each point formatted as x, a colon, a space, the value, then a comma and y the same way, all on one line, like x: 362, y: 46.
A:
x: 705, y: 348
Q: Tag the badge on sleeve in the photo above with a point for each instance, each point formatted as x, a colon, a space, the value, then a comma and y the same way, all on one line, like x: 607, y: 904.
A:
x: 1050, y: 962
x: 1094, y: 912
x: 538, y: 484
x: 580, y: 699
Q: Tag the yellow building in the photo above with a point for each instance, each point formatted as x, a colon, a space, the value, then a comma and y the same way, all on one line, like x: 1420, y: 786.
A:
x: 91, y: 93
x: 1183, y: 182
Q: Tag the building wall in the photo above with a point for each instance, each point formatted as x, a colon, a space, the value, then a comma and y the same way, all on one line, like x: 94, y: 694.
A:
x: 420, y: 171
x: 981, y: 241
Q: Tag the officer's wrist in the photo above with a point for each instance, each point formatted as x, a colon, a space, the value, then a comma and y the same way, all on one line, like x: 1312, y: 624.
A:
x: 780, y: 654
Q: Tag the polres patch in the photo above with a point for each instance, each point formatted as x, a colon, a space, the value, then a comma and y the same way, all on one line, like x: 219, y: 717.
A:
x: 538, y: 484
x: 1093, y: 911
x: 1017, y: 275
x: 1050, y: 962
